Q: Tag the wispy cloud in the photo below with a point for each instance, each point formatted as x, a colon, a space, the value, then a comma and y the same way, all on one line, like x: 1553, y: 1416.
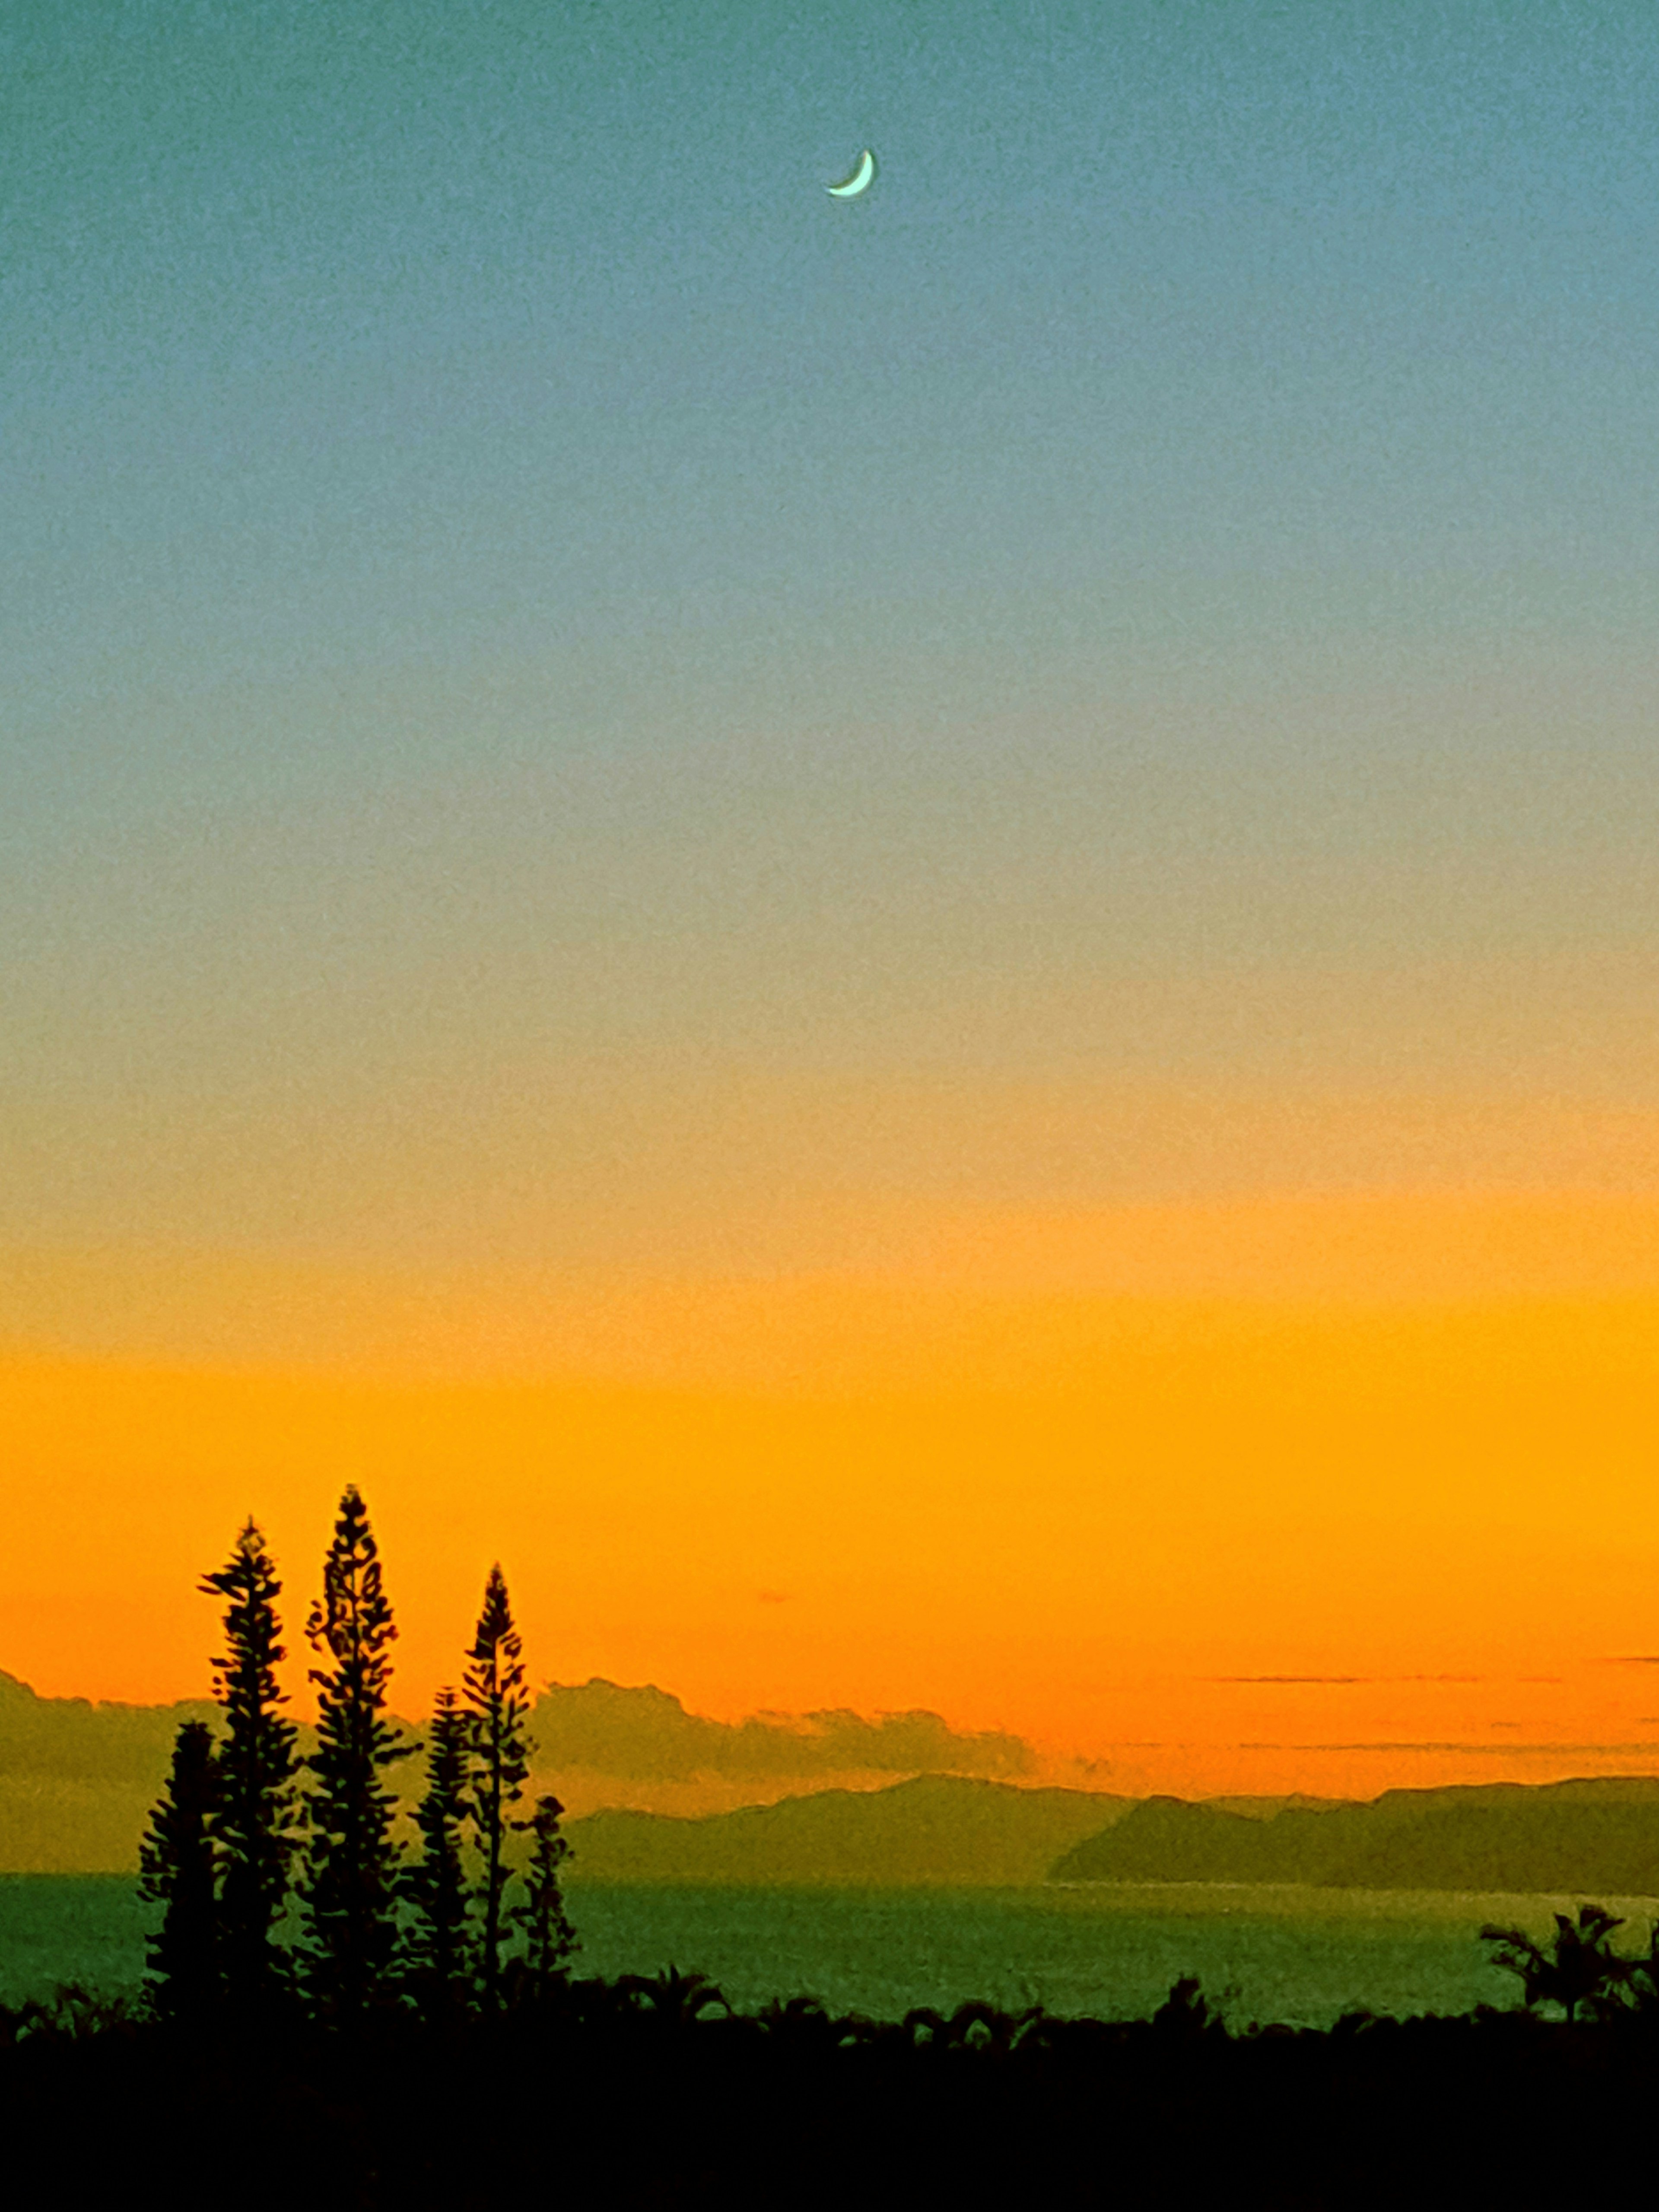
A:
x: 1487, y: 1750
x: 1349, y: 1681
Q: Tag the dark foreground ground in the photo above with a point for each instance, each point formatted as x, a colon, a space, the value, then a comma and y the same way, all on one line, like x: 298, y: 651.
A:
x: 637, y: 2111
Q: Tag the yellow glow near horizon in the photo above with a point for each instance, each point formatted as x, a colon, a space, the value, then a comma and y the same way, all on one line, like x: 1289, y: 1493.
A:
x: 1073, y: 1475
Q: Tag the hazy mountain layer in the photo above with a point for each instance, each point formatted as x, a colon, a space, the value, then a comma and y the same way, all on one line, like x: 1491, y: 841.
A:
x: 935, y: 1829
x: 1599, y: 1835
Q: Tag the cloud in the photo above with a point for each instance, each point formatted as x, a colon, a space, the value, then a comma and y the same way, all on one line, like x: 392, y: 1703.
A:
x: 1332, y: 1681
x: 646, y: 1735
x: 1487, y: 1750
x: 70, y: 1740
x: 641, y: 1734
x: 1349, y: 1681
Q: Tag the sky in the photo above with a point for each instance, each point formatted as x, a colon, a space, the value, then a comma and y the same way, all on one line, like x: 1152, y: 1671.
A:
x: 913, y: 940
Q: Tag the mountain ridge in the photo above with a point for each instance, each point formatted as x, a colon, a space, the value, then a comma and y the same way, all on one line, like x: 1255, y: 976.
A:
x: 1597, y: 1833
x: 929, y: 1830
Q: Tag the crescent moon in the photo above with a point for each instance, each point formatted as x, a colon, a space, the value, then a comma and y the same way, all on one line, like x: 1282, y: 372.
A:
x: 860, y: 180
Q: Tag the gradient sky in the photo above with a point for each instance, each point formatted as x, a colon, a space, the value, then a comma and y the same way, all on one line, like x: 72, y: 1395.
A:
x: 915, y: 940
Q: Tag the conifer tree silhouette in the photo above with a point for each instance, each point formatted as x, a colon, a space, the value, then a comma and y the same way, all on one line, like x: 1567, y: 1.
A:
x: 494, y: 1684
x: 549, y: 1937
x: 436, y: 1883
x: 349, y: 1889
x: 253, y: 1827
x: 176, y: 1871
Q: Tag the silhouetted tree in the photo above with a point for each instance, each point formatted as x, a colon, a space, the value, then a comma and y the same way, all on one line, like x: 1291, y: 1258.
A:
x: 494, y: 1685
x: 1187, y: 2012
x: 176, y: 1871
x: 1577, y: 1969
x: 350, y: 1892
x: 253, y: 1828
x: 672, y: 1999
x: 1641, y: 1985
x: 434, y: 1884
x: 549, y: 1937
x: 802, y: 2023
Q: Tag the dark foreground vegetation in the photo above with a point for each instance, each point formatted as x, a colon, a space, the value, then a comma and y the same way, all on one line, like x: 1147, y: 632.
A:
x: 649, y: 2094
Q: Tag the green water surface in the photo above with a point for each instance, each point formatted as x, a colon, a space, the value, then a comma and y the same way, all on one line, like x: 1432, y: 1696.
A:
x: 880, y: 1952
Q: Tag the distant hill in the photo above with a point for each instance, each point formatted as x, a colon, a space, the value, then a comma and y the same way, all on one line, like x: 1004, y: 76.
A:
x: 1596, y: 1836
x: 935, y: 1829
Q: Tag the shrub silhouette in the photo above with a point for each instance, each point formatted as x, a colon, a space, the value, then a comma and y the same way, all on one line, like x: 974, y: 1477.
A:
x: 801, y: 2023
x: 671, y: 1998
x: 974, y: 2026
x: 72, y: 2014
x: 1577, y: 1969
x: 1186, y: 2014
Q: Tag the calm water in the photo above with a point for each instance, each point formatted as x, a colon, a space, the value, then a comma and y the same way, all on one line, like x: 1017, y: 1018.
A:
x: 1286, y: 1955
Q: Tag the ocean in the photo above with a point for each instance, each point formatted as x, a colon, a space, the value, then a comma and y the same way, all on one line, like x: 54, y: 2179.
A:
x: 1300, y: 1956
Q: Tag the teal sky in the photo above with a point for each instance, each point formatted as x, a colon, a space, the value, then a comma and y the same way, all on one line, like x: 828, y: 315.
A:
x: 521, y: 619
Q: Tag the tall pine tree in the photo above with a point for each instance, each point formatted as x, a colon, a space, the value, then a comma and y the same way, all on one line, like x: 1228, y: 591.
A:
x: 494, y: 1684
x: 349, y: 1895
x: 434, y: 1884
x: 176, y: 1871
x: 253, y: 1827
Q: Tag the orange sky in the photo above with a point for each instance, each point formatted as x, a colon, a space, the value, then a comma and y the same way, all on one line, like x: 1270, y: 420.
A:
x: 913, y: 940
x: 1090, y: 1474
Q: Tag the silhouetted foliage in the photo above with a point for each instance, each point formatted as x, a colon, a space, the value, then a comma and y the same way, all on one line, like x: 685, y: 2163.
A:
x: 254, y: 1826
x: 550, y: 1938
x: 1640, y: 1991
x: 1577, y: 1969
x: 176, y: 1871
x: 804, y: 2024
x: 494, y: 1688
x: 349, y: 1890
x: 664, y: 2101
x: 711, y: 2108
x: 1186, y: 2012
x: 72, y: 2014
x: 972, y: 2026
x: 434, y: 1884
x: 672, y: 1999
